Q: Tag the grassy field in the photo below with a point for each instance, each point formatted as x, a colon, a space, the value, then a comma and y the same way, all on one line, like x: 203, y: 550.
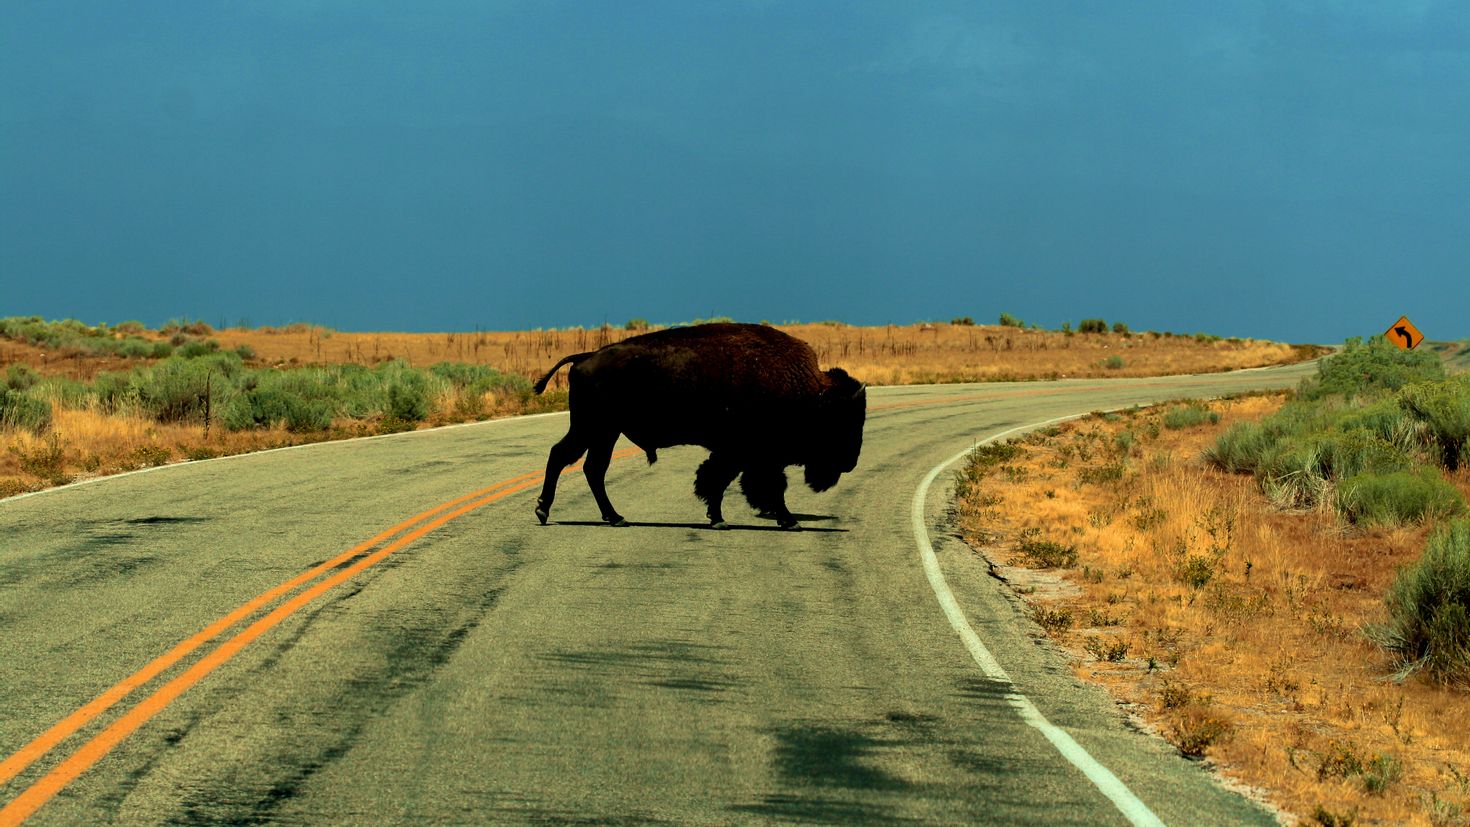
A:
x: 883, y: 355
x: 890, y: 355
x: 86, y: 400
x: 1279, y: 586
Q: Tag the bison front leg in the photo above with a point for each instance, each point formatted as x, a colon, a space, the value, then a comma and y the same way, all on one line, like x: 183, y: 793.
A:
x: 599, y: 456
x: 765, y: 490
x: 710, y: 481
x: 562, y: 454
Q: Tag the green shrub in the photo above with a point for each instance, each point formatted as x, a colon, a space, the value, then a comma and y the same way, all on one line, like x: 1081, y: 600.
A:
x: 304, y: 399
x: 1380, y: 773
x: 1297, y: 452
x: 307, y: 414
x: 963, y: 321
x: 1113, y: 362
x: 184, y: 325
x: 195, y: 348
x: 981, y: 461
x: 1189, y: 416
x: 1353, y: 452
x: 1294, y: 471
x: 1046, y: 554
x: 135, y: 348
x: 1119, y: 327
x: 20, y: 410
x: 46, y: 460
x: 636, y: 324
x: 1364, y: 368
x: 463, y: 375
x: 475, y: 380
x: 1007, y: 320
x: 361, y: 392
x: 72, y: 335
x: 408, y: 397
x: 1385, y: 419
x: 19, y: 377
x: 1195, y: 570
x: 1101, y: 474
x: 1398, y: 498
x: 177, y: 389
x: 245, y: 411
x: 68, y: 393
x: 994, y: 454
x: 1429, y: 610
x: 1092, y: 326
x: 1240, y: 448
x: 1053, y: 621
x: 265, y: 407
x: 113, y: 391
x: 1444, y: 409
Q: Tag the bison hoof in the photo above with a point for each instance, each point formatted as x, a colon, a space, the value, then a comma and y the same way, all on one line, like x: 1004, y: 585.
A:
x: 542, y: 512
x: 720, y: 525
x: 789, y: 524
x: 617, y: 522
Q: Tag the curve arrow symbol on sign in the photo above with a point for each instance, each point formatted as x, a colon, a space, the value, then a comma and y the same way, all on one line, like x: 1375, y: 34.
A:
x: 1404, y: 332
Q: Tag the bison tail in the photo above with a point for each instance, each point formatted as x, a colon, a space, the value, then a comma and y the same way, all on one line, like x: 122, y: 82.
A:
x: 540, y: 386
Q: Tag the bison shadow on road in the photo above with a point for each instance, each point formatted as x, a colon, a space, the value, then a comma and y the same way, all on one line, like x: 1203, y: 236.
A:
x: 804, y: 518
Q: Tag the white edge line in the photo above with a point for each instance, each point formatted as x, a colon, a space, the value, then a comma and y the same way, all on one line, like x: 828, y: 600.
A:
x: 1108, y: 784
x: 321, y: 444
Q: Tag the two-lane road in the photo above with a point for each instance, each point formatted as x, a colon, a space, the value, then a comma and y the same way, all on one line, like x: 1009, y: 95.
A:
x: 337, y: 633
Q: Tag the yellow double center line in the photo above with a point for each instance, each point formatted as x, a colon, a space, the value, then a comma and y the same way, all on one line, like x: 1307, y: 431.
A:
x: 35, y: 796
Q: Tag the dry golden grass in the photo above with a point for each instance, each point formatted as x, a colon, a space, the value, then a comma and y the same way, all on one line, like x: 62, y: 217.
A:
x: 918, y: 354
x: 887, y: 355
x: 1236, y: 630
x: 90, y: 443
x: 883, y: 355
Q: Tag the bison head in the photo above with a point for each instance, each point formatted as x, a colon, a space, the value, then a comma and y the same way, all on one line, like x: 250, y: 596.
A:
x: 837, y: 433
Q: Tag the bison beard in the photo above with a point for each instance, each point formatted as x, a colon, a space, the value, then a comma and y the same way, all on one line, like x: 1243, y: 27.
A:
x: 754, y: 396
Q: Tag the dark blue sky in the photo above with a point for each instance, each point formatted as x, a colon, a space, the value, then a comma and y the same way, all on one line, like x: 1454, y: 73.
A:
x: 1295, y: 171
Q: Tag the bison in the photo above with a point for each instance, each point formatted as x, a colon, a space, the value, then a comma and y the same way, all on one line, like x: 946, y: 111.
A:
x: 751, y: 394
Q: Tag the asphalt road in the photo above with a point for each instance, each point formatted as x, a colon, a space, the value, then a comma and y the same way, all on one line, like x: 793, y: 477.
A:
x: 475, y: 666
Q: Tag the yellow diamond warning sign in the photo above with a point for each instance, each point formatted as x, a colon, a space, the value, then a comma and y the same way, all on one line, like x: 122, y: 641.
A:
x: 1404, y: 334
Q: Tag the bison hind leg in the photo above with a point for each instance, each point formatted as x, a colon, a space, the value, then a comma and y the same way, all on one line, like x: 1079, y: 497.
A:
x: 599, y: 456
